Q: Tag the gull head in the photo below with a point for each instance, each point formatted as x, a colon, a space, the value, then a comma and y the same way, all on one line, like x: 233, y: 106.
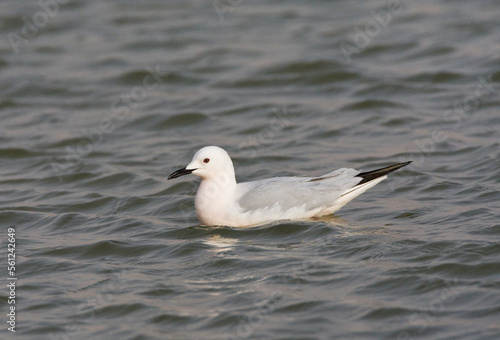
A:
x: 210, y: 162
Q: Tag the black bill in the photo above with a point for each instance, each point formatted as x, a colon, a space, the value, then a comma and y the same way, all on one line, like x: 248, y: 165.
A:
x: 180, y: 172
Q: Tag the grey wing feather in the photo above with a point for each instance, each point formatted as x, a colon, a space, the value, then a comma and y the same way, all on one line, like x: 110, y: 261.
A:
x: 290, y: 192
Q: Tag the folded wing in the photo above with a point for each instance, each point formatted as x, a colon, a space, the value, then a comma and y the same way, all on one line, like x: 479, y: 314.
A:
x: 292, y: 192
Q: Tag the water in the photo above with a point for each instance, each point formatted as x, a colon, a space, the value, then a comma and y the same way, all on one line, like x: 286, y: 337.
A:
x: 101, y: 100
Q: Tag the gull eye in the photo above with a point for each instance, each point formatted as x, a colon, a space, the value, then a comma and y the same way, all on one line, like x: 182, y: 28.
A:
x: 206, y: 160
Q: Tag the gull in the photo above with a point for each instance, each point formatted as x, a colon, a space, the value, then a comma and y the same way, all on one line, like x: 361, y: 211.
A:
x: 220, y: 200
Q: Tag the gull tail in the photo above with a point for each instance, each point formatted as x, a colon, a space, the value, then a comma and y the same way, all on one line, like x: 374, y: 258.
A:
x: 372, y: 175
x: 369, y: 179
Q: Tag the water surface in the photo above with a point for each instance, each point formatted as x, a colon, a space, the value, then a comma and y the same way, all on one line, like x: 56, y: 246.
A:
x: 101, y: 100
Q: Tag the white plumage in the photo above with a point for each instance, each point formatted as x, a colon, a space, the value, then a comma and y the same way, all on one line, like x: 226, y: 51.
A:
x: 222, y: 201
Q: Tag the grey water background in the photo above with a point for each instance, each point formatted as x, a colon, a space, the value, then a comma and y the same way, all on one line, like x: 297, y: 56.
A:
x: 101, y: 100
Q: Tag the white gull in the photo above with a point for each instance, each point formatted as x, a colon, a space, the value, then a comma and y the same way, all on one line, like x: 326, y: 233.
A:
x: 222, y: 201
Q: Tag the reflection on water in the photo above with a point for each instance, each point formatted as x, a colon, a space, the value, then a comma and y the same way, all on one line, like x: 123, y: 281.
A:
x: 220, y: 244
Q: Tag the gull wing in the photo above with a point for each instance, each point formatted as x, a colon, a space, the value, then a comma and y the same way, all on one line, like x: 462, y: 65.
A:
x: 293, y: 192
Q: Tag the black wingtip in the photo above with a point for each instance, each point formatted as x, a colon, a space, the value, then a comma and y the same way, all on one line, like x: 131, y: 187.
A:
x: 371, y: 175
